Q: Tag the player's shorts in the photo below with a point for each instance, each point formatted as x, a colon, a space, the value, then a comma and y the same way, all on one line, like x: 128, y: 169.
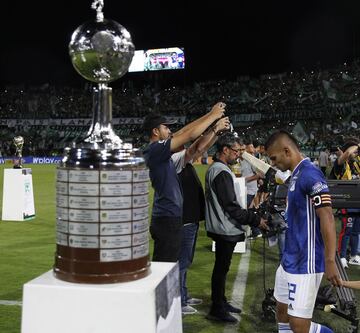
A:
x: 298, y: 291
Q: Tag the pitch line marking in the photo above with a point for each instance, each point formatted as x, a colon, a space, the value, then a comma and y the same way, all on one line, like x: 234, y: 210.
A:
x: 239, y: 287
x: 6, y: 302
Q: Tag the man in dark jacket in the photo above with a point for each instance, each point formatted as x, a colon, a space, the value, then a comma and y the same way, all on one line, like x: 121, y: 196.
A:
x: 224, y: 219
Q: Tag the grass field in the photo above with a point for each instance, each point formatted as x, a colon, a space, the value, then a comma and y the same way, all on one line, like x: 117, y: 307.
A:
x: 27, y: 250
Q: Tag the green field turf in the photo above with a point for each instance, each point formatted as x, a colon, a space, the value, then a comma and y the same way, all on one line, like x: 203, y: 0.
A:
x: 27, y: 250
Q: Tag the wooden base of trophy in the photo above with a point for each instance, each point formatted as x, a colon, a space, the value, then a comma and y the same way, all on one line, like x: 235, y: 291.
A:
x: 150, y: 305
x: 18, y: 196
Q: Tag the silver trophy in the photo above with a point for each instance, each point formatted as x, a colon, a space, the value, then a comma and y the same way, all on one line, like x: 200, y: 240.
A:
x: 19, y: 143
x: 102, y: 183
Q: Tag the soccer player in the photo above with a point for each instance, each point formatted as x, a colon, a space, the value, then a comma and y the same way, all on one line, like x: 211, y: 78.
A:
x: 310, y: 241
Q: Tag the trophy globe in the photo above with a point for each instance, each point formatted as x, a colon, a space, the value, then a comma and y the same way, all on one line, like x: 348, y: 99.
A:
x: 101, y: 51
x: 102, y: 183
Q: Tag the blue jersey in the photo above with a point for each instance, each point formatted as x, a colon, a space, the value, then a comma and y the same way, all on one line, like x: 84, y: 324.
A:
x: 168, y: 199
x: 304, y: 246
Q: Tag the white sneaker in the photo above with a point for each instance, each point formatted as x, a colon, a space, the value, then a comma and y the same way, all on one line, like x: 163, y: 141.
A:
x: 193, y: 301
x: 355, y: 260
x: 344, y: 263
x: 187, y: 309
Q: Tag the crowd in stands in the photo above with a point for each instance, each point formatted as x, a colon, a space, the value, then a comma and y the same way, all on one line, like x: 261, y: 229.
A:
x: 321, y: 107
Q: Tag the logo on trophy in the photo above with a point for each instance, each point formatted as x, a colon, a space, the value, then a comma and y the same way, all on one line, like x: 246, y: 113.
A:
x: 97, y: 215
x: 19, y: 143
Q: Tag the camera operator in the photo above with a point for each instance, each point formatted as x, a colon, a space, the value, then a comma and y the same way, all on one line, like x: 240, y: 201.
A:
x: 347, y: 167
x: 310, y: 241
x: 224, y: 219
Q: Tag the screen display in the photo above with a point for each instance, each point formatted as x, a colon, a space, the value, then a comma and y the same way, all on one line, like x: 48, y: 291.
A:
x: 158, y: 59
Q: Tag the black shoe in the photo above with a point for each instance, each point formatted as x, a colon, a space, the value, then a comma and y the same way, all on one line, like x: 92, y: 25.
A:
x: 221, y: 316
x: 228, y: 307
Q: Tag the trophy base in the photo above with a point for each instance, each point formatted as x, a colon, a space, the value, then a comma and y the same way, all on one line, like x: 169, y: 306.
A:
x: 90, y: 270
x: 102, y: 279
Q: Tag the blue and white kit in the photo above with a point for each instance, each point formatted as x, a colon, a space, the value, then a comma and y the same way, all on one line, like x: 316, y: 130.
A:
x: 304, y: 246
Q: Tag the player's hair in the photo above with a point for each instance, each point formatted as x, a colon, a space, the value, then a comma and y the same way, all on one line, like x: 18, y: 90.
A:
x: 280, y: 134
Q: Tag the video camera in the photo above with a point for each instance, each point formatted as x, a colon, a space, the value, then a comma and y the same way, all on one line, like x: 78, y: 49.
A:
x: 273, y: 208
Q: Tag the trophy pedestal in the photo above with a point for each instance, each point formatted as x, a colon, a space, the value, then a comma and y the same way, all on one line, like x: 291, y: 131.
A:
x: 150, y: 305
x: 18, y: 196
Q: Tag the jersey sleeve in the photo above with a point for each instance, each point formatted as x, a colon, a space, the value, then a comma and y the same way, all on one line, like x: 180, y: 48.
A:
x: 316, y: 187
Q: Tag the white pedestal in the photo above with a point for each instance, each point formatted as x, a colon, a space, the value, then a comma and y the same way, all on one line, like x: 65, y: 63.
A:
x: 18, y: 196
x: 148, y: 305
x: 240, y: 247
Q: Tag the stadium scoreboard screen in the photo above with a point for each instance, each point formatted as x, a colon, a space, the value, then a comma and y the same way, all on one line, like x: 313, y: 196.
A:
x: 158, y: 59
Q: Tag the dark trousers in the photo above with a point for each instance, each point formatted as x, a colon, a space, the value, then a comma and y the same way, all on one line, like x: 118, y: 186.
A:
x: 188, y: 242
x: 223, y: 255
x: 166, y: 233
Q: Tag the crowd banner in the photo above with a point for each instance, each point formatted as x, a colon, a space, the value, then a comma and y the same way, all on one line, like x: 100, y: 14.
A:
x: 79, y: 121
x: 33, y: 160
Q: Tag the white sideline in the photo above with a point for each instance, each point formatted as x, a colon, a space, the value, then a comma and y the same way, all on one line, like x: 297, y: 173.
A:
x: 5, y: 302
x: 238, y: 293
